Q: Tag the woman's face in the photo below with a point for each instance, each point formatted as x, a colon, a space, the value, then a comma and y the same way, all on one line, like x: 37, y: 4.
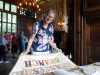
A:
x: 50, y: 18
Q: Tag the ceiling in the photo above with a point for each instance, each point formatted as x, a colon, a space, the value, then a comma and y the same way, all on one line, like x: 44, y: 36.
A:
x: 42, y: 4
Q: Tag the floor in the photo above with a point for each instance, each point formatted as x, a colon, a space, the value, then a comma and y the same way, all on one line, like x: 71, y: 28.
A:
x: 5, y: 68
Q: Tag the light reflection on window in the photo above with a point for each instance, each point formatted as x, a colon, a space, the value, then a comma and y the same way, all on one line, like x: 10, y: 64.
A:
x: 0, y: 26
x: 13, y: 8
x: 9, y: 17
x: 1, y: 4
x: 9, y: 27
x: 4, y: 17
x: 14, y: 28
x: 3, y: 27
x: 0, y: 16
x: 14, y: 19
x: 7, y: 6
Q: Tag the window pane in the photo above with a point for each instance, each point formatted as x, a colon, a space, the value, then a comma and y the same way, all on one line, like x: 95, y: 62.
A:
x: 13, y: 8
x: 7, y: 6
x: 9, y: 18
x: 1, y: 4
x: 14, y: 19
x: 14, y: 27
x: 9, y: 27
x: 0, y: 26
x: 0, y: 16
x: 3, y: 27
x: 4, y: 17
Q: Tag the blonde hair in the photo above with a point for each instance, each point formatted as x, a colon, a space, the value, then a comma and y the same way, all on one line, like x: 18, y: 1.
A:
x: 49, y: 12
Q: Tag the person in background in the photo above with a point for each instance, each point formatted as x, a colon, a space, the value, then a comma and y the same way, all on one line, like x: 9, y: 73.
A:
x: 23, y: 40
x: 14, y: 48
x: 8, y: 38
x: 42, y: 38
x: 3, y: 49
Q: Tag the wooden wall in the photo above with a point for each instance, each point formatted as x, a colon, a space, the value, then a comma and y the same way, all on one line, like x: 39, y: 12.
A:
x: 86, y: 34
x: 92, y: 42
x: 91, y: 30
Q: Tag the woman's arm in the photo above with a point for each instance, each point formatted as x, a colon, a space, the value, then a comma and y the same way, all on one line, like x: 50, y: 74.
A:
x: 30, y: 43
x: 35, y: 31
x: 53, y: 45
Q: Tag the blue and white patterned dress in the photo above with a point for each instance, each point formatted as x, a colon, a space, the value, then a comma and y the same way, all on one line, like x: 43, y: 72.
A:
x: 42, y: 37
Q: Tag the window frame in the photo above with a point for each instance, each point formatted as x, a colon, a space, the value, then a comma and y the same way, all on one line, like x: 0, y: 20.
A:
x: 7, y: 18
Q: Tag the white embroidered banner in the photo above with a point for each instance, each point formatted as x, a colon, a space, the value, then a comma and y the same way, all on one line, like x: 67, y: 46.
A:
x: 30, y: 64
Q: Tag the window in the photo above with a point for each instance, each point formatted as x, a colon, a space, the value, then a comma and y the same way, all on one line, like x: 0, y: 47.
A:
x: 1, y: 4
x: 8, y: 20
x: 13, y: 27
x: 13, y: 8
x: 0, y: 16
x: 14, y: 19
x: 4, y: 17
x: 3, y: 27
x: 9, y: 27
x: 7, y: 6
x: 0, y: 26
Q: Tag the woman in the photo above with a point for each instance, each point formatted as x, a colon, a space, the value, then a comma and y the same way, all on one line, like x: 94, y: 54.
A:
x: 42, y: 37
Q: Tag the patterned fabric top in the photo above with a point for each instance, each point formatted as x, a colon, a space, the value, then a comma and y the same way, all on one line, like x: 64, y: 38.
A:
x: 42, y: 37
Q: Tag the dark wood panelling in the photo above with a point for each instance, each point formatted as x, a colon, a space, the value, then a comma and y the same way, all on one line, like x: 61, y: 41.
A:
x: 95, y: 42
x: 92, y: 41
x: 91, y: 7
x: 86, y: 31
x: 91, y: 15
x: 77, y: 33
x: 92, y: 3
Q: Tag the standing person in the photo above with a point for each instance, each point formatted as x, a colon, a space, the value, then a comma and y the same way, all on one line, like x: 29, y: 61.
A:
x: 3, y: 48
x: 42, y: 37
x: 8, y: 38
x: 22, y: 42
x: 14, y: 48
